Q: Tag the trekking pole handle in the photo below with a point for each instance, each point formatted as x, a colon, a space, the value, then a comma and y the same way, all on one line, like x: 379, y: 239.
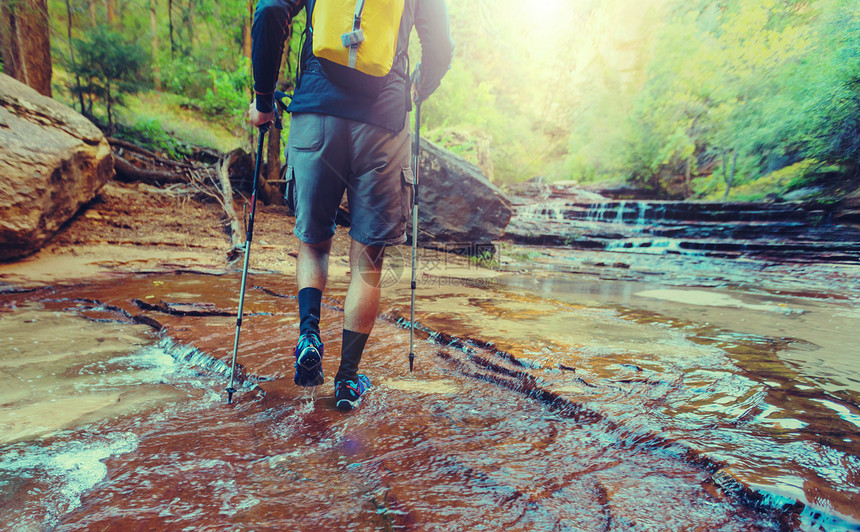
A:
x: 414, y: 82
x: 280, y: 107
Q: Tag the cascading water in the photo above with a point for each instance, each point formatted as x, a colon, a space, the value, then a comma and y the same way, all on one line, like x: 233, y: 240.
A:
x: 787, y: 232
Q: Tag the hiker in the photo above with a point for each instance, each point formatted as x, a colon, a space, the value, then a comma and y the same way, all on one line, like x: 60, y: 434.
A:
x: 348, y: 132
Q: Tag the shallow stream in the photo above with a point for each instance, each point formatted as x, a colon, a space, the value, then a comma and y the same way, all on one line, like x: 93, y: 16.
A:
x: 566, y: 391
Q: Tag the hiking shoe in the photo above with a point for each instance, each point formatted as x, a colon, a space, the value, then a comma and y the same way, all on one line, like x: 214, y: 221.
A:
x: 309, y: 353
x: 347, y: 394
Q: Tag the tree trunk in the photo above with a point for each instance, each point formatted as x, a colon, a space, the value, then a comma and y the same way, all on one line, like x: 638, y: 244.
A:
x: 246, y: 31
x: 25, y: 43
x: 108, y: 104
x: 94, y: 18
x: 153, y: 22
x: 72, y: 55
x: 126, y: 145
x: 731, y: 178
x: 271, y: 193
x: 125, y: 171
x: 227, y: 195
x: 686, y: 179
x: 110, y: 7
x: 189, y: 24
x: 170, y: 23
x: 270, y: 182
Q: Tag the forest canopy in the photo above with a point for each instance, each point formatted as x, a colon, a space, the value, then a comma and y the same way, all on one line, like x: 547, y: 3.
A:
x: 703, y: 98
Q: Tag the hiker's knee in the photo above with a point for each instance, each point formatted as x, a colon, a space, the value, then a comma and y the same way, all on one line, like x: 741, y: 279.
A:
x: 317, y: 247
x: 365, y: 258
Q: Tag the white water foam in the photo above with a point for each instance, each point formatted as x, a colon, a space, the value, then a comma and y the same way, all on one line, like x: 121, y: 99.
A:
x: 64, y: 471
x: 49, y: 478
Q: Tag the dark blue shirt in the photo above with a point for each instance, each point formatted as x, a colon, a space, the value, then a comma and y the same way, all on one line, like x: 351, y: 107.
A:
x: 316, y: 93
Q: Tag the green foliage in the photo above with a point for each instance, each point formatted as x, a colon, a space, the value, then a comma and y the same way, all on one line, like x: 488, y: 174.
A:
x: 226, y: 101
x: 587, y: 90
x: 775, y: 82
x: 149, y: 133
x: 485, y: 259
x: 108, y: 66
x: 773, y: 184
x: 184, y: 76
x: 462, y: 99
x: 229, y: 90
x: 179, y: 120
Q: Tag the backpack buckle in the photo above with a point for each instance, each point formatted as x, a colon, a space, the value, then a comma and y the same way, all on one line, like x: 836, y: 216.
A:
x: 352, y: 38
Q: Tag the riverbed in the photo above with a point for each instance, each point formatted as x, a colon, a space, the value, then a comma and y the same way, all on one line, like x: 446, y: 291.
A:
x: 559, y: 390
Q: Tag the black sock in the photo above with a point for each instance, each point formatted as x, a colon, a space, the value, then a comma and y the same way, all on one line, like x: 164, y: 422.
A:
x: 310, y: 301
x: 350, y: 355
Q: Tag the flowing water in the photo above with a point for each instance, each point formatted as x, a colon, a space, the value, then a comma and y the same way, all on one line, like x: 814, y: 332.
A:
x: 570, y: 390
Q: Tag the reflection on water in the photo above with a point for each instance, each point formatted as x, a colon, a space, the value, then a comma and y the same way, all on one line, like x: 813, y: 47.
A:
x: 50, y: 358
x: 422, y: 386
x: 580, y: 397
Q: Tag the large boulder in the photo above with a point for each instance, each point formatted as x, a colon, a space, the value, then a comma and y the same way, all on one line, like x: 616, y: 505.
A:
x: 52, y: 161
x: 459, y: 208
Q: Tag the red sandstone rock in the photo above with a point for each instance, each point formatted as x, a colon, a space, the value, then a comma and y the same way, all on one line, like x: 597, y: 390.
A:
x: 52, y: 162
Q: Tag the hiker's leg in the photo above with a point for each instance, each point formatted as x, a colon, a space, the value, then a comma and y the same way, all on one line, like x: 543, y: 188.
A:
x: 317, y: 160
x: 312, y: 265
x: 361, y: 306
x: 379, y: 199
x: 311, y: 275
x: 362, y: 298
x: 311, y: 272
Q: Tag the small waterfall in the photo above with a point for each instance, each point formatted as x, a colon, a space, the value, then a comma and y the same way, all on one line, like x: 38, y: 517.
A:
x: 619, y: 218
x: 651, y: 246
x: 554, y: 212
x: 643, y: 207
x: 543, y: 211
x: 714, y: 228
x: 595, y: 212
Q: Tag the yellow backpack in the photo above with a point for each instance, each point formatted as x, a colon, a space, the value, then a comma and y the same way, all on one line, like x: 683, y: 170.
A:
x: 360, y: 35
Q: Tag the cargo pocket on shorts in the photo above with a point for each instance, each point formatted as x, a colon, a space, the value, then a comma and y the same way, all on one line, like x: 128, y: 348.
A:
x: 407, y: 190
x: 290, y: 189
x: 307, y: 131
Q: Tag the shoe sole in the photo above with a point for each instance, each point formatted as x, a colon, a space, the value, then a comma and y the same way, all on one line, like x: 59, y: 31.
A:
x: 309, y: 368
x: 345, y: 405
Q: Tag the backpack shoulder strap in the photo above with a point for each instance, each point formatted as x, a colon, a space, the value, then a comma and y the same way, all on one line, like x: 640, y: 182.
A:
x: 353, y: 38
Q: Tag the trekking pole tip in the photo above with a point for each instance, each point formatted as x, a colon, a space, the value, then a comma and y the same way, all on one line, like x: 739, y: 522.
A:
x: 411, y: 361
x: 230, y: 392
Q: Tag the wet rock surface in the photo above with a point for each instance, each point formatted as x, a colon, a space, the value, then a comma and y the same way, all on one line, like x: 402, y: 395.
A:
x: 790, y: 231
x: 566, y: 411
x: 420, y: 453
x: 52, y: 162
x: 458, y: 206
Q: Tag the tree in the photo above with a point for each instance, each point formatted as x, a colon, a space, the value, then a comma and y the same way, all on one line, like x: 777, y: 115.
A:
x: 286, y: 82
x: 109, y: 67
x: 153, y: 22
x: 25, y: 44
x: 72, y: 54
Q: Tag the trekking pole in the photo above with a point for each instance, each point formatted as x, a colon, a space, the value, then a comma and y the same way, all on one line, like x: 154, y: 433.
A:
x: 414, y: 232
x: 247, y: 245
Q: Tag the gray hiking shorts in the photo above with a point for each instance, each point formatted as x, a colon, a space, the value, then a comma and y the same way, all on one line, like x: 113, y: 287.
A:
x: 327, y: 155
